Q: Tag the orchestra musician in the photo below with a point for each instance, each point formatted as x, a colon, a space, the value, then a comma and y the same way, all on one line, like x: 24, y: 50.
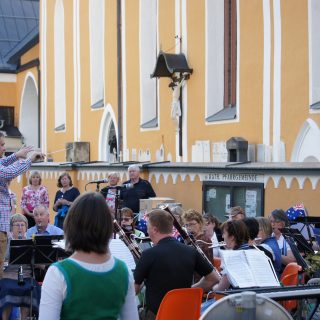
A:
x: 265, y: 234
x: 236, y: 237
x: 42, y: 227
x: 168, y: 265
x: 193, y: 221
x: 211, y: 229
x: 91, y: 283
x: 127, y: 223
x: 236, y: 213
x: 279, y: 220
x: 12, y: 293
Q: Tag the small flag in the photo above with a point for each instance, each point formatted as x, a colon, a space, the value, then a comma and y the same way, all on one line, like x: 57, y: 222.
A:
x: 296, y: 211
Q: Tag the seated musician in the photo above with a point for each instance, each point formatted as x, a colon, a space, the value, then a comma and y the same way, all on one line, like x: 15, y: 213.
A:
x: 91, y: 283
x: 11, y: 293
x: 127, y: 223
x: 212, y: 230
x: 265, y: 234
x: 42, y: 226
x: 168, y: 265
x: 279, y: 220
x: 194, y: 222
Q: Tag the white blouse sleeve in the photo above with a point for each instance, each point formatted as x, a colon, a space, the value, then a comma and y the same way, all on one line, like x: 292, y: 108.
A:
x: 53, y: 292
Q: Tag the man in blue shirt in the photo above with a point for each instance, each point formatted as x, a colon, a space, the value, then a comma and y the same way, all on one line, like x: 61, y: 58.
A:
x: 42, y: 227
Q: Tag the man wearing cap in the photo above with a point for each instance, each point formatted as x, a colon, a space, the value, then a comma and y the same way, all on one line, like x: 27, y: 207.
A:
x: 236, y: 213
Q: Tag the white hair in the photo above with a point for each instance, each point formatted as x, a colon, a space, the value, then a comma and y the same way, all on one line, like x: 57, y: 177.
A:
x: 134, y: 167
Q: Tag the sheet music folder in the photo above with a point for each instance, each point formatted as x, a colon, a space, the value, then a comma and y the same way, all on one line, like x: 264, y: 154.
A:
x: 37, y: 251
x: 20, y: 251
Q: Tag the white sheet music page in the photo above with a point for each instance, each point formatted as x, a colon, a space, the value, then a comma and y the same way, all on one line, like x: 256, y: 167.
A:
x: 261, y: 268
x: 119, y: 250
x: 237, y: 269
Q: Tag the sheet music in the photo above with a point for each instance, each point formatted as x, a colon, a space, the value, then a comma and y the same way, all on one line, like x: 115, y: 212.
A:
x: 238, y: 271
x: 121, y: 251
x: 261, y: 268
x: 117, y: 248
x: 249, y: 268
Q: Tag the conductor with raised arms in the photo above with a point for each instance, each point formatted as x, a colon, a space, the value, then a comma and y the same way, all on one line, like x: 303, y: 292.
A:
x: 11, y: 167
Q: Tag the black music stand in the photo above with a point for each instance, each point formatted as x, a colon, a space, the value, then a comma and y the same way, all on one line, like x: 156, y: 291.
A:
x: 297, y: 244
x: 301, y: 242
x: 39, y: 251
x: 22, y: 252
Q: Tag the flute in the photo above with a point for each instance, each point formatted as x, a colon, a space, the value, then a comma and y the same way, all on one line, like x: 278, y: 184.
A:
x: 131, y: 244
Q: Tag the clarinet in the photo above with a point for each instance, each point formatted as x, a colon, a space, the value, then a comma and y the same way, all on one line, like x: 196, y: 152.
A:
x: 131, y: 244
x: 186, y: 238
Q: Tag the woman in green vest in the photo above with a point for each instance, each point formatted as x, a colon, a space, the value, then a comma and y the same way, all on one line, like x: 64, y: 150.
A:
x: 91, y: 284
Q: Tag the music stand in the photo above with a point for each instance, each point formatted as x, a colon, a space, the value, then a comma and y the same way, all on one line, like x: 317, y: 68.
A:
x: 39, y: 251
x: 22, y: 252
x: 297, y: 244
x: 301, y: 242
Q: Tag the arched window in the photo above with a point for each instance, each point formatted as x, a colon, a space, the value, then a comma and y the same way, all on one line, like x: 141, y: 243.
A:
x: 96, y: 25
x: 59, y: 68
x: 148, y: 56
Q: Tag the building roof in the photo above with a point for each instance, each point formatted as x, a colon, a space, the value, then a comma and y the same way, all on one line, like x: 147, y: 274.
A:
x: 19, y: 30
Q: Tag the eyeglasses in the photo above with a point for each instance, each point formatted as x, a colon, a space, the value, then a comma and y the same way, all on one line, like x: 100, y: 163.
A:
x: 275, y: 221
x: 19, y: 225
x: 127, y: 219
x: 191, y: 224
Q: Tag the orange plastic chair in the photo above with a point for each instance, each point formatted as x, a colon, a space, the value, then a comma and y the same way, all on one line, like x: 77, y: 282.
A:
x: 181, y: 304
x: 290, y: 277
x: 217, y: 263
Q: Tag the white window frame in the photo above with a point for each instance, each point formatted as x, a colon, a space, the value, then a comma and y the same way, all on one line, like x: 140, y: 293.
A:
x: 148, y: 31
x: 96, y: 30
x: 59, y: 68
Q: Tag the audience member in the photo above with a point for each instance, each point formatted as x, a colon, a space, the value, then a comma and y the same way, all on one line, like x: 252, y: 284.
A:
x: 106, y: 289
x: 110, y: 191
x: 142, y: 189
x: 64, y: 198
x: 33, y: 195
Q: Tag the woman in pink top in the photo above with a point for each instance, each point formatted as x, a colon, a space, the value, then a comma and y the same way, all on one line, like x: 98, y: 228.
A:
x: 33, y: 195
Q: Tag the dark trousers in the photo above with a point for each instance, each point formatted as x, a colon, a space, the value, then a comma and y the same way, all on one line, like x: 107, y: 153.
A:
x: 146, y: 314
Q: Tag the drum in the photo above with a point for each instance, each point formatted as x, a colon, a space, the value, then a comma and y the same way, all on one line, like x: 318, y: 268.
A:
x: 246, y: 306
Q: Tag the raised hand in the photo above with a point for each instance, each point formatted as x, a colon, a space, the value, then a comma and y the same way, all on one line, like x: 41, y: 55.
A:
x: 23, y: 152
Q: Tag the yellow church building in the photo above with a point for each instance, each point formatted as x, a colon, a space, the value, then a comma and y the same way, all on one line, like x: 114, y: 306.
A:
x: 218, y: 100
